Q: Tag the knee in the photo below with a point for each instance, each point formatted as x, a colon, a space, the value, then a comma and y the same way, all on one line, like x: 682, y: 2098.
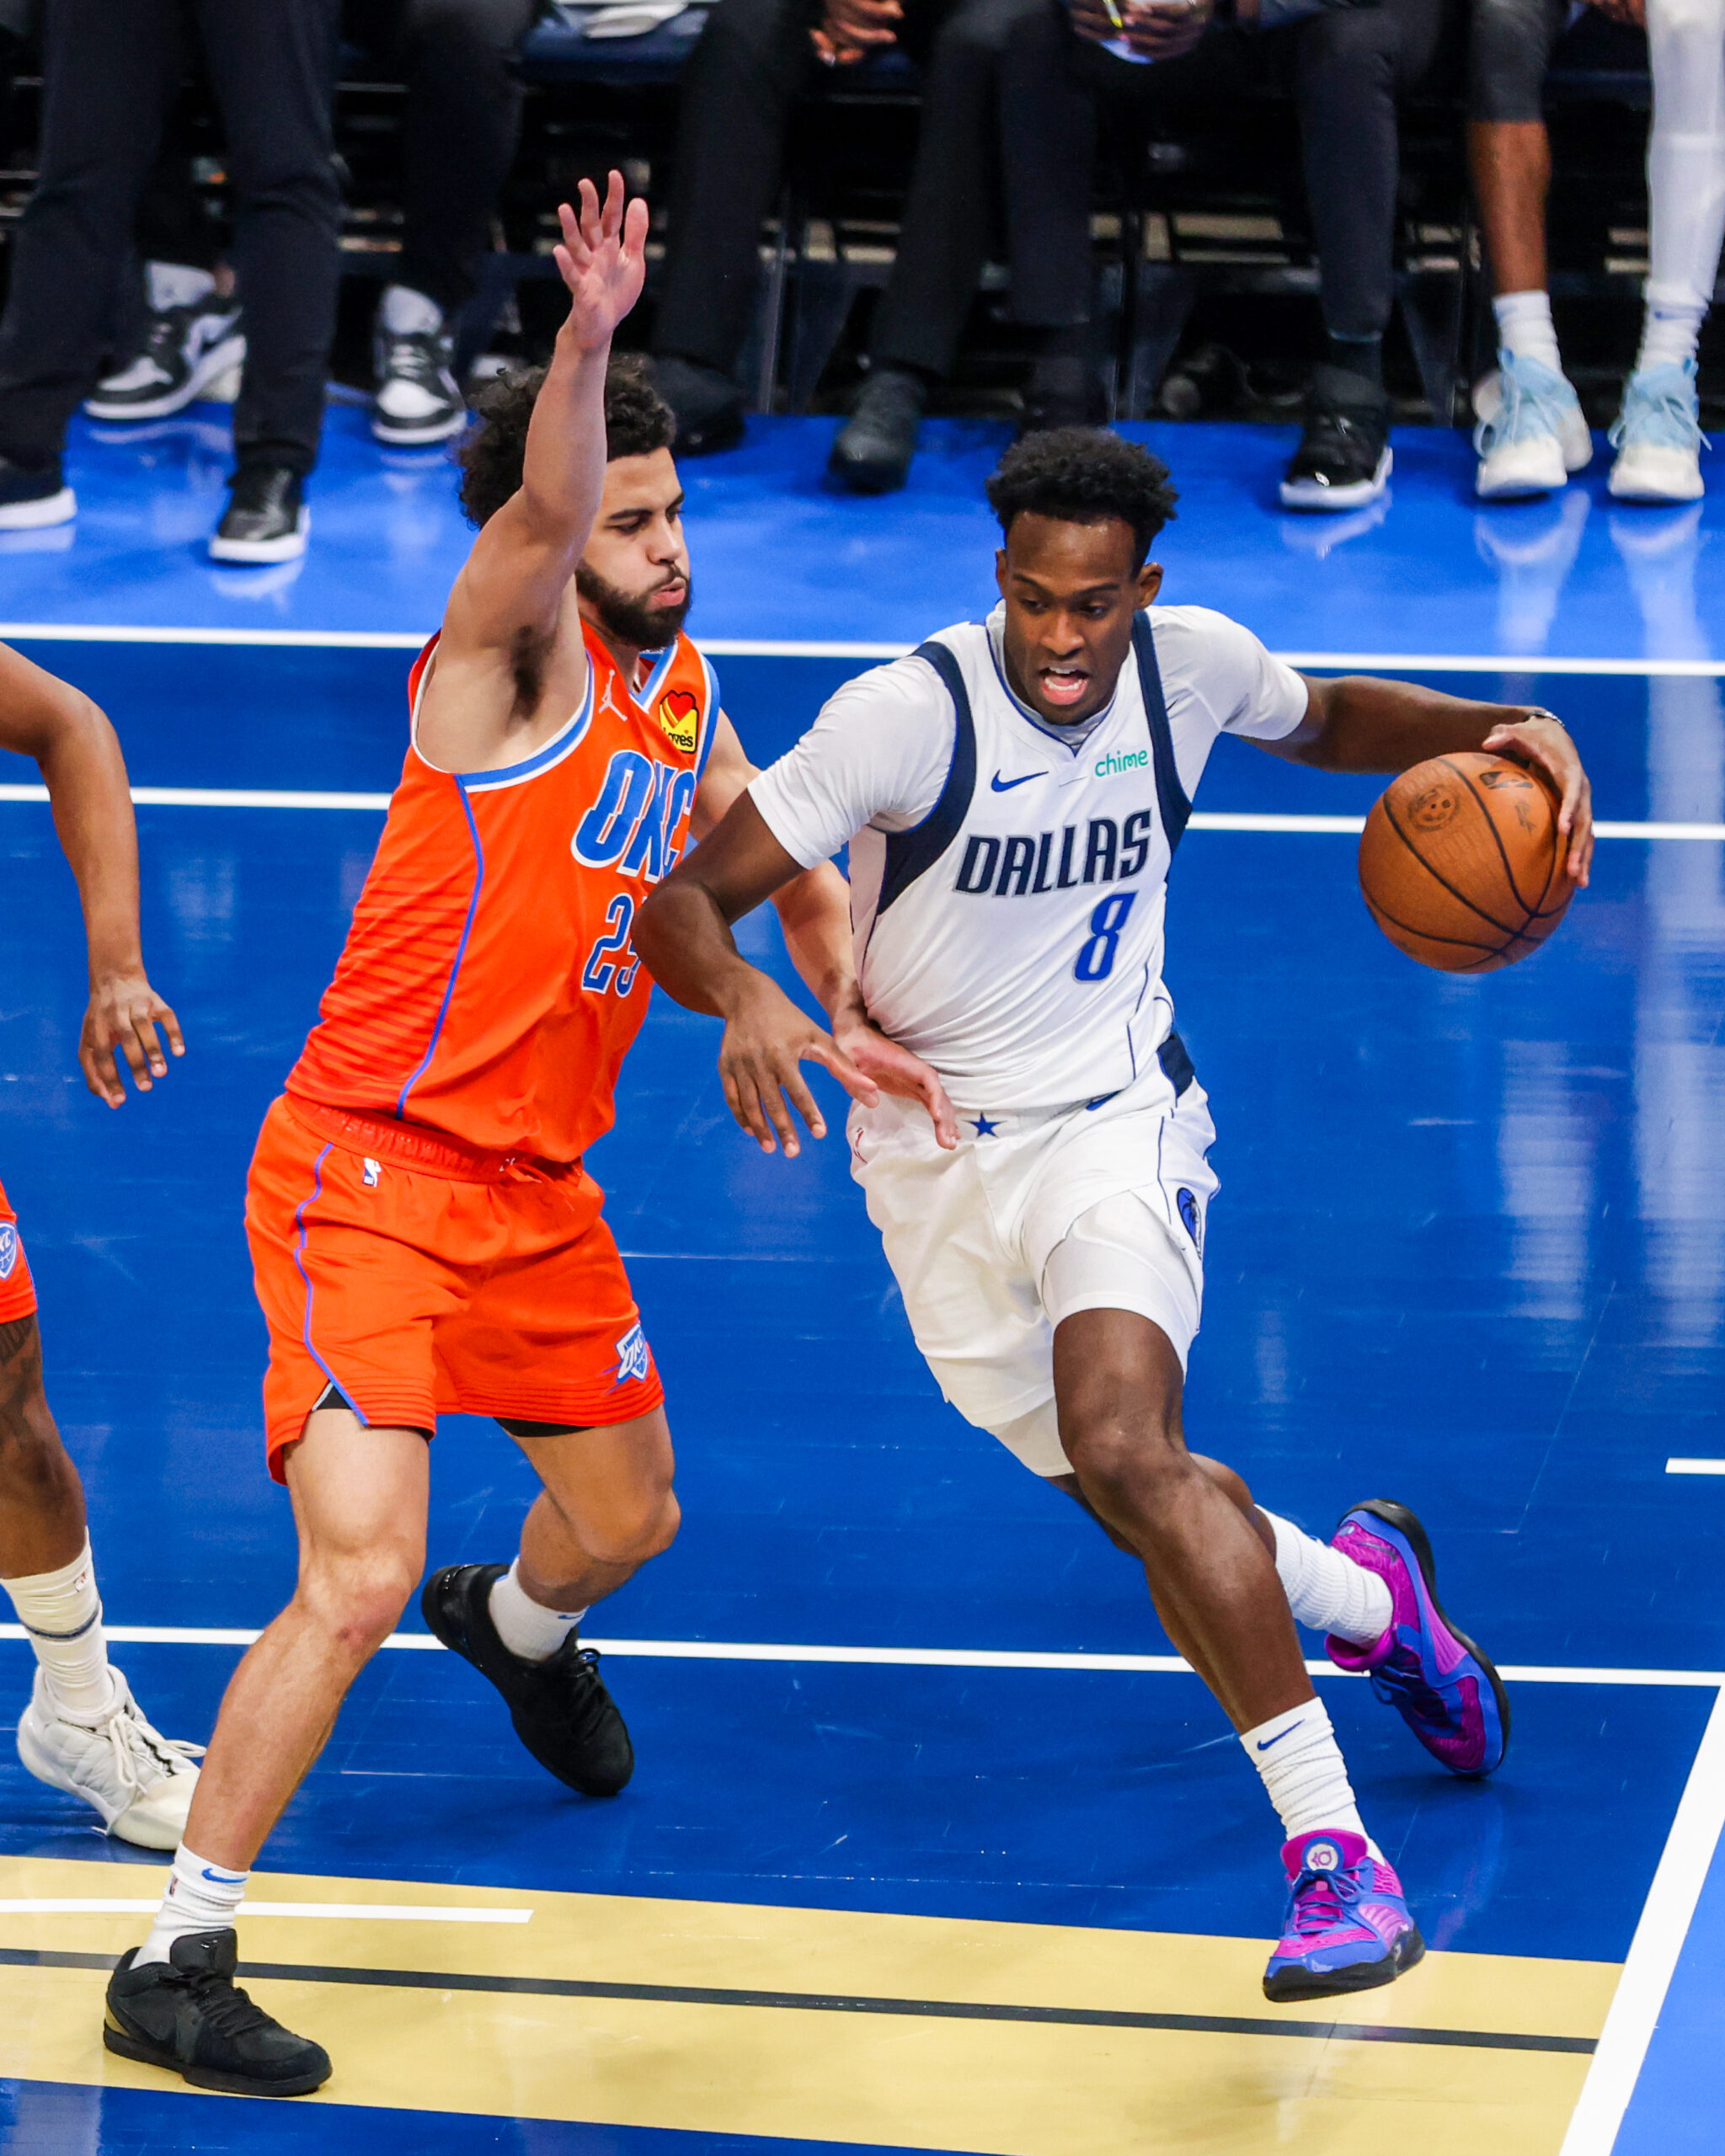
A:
x: 634, y: 1533
x: 1349, y: 47
x: 33, y: 1461
x: 1125, y: 1465
x: 356, y: 1599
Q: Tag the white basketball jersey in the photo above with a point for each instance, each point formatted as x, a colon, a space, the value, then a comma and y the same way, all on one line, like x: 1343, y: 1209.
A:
x: 1014, y: 938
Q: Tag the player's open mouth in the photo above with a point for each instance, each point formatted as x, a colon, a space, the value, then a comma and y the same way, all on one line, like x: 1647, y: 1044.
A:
x: 1064, y: 684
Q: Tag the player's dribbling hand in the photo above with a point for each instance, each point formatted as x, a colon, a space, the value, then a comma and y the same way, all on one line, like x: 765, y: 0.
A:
x: 766, y: 1040
x: 895, y: 1071
x: 602, y: 259
x: 1538, y: 738
x: 124, y: 1013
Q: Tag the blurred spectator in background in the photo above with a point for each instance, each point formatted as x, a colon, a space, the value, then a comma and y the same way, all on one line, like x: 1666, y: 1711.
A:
x: 109, y: 69
x: 1346, y: 66
x: 755, y: 60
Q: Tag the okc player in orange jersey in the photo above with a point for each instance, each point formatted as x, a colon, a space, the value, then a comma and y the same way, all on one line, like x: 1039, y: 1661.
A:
x: 425, y: 1235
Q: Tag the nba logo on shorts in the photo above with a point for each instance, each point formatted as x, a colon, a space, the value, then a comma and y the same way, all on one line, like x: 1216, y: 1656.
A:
x: 8, y: 1249
x: 1189, y: 1213
x: 372, y: 1172
x: 633, y: 1358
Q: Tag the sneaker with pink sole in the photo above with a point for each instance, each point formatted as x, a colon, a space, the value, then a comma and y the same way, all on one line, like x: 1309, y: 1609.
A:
x: 1347, y: 1928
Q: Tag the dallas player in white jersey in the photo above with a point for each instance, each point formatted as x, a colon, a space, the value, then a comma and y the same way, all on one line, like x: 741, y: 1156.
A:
x: 1013, y: 794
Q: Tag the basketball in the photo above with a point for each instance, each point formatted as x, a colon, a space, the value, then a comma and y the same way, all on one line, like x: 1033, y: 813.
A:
x: 1461, y: 862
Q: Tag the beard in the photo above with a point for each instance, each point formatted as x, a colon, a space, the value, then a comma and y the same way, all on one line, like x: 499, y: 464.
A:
x: 631, y: 617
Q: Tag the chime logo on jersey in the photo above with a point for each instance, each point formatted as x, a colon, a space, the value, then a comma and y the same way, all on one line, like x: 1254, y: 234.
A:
x: 8, y: 1249
x: 633, y: 1358
x: 679, y: 716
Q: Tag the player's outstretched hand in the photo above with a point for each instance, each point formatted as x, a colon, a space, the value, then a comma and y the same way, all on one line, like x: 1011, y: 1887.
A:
x: 602, y: 259
x: 895, y: 1070
x: 1538, y: 737
x: 124, y: 1014
x: 766, y: 1040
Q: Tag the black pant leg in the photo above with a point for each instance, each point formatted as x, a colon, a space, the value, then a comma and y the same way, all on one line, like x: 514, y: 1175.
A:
x: 273, y: 65
x: 459, y: 133
x: 752, y: 59
x: 108, y: 69
x: 1048, y: 158
x: 1349, y: 68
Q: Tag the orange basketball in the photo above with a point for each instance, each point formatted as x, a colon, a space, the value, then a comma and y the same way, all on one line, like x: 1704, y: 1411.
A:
x: 1461, y: 862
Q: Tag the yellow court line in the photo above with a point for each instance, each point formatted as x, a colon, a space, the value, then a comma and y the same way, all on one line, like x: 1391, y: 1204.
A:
x: 999, y: 2089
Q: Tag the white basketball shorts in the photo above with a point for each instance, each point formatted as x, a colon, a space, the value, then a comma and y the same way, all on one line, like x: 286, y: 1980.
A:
x: 1035, y: 1216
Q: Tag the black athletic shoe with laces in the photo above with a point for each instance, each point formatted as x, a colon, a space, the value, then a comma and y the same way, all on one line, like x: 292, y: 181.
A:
x: 418, y: 399
x: 189, y: 2015
x: 560, y: 1707
x: 871, y: 451
x: 186, y: 352
x: 266, y: 518
x: 1343, y: 459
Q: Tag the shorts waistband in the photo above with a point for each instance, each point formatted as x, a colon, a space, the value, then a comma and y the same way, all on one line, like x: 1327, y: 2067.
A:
x: 1176, y: 1067
x: 413, y: 1146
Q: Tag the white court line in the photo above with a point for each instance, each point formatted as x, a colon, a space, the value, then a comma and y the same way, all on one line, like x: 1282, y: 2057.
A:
x: 219, y: 797
x: 1346, y: 662
x: 332, y: 1912
x: 1653, y: 1952
x: 198, y: 1636
x: 1695, y: 1466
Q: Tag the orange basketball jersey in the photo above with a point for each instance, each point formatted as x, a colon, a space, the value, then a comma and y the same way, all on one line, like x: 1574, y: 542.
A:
x: 488, y: 989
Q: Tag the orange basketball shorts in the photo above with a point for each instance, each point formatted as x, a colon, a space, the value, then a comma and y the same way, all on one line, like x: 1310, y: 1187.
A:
x: 18, y: 1291
x: 416, y: 1276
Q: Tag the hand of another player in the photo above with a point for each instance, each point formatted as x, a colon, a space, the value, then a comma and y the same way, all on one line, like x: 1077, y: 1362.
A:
x: 895, y: 1071
x: 766, y: 1040
x: 602, y: 259
x: 124, y: 1013
x: 849, y: 30
x: 1538, y: 738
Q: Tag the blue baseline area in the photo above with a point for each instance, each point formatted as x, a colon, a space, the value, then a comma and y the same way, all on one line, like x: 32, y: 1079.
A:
x: 779, y: 556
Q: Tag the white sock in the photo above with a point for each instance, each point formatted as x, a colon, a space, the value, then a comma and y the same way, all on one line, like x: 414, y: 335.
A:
x: 1326, y: 1590
x: 1525, y: 328
x: 530, y: 1631
x: 62, y: 1613
x: 405, y: 312
x: 200, y: 1897
x: 1670, y: 333
x: 173, y: 283
x: 1304, y: 1772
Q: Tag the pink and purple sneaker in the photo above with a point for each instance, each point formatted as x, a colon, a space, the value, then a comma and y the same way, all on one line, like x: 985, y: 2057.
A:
x: 1439, y: 1683
x: 1348, y: 1928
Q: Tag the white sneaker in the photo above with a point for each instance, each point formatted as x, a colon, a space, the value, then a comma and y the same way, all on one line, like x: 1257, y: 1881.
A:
x: 1532, y: 433
x: 140, y: 1782
x: 189, y: 352
x: 1659, y: 437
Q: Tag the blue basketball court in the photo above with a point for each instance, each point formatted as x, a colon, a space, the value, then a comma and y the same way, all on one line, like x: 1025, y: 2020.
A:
x: 933, y: 1844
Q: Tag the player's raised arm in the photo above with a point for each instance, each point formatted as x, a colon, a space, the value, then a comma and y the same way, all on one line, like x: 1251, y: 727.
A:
x: 1359, y: 723
x: 78, y: 754
x: 508, y: 602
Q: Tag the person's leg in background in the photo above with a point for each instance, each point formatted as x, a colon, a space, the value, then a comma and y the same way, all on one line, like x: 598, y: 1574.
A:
x: 1532, y: 433
x: 753, y: 60
x: 1657, y: 436
x: 950, y: 214
x: 189, y: 338
x: 272, y: 64
x: 1349, y: 66
x: 108, y: 68
x: 460, y: 127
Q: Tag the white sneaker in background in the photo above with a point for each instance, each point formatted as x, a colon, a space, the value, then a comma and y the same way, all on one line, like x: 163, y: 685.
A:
x: 138, y: 1780
x: 1659, y: 437
x: 194, y: 349
x: 1532, y: 433
x: 418, y: 399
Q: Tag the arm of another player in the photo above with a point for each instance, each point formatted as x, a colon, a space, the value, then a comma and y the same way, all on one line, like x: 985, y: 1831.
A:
x: 80, y: 760
x: 1361, y: 724
x: 761, y: 1046
x: 510, y: 595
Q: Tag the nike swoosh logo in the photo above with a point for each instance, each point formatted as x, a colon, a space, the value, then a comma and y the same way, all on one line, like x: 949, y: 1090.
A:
x: 1265, y: 1744
x: 223, y: 1880
x: 1006, y: 785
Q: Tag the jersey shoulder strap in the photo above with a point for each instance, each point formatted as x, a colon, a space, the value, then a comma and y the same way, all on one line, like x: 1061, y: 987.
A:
x: 909, y: 853
x: 1170, y: 794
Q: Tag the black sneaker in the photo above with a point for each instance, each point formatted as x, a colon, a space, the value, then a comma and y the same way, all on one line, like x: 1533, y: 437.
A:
x: 188, y: 2015
x: 708, y: 405
x: 186, y: 352
x: 1344, y: 460
x: 266, y: 520
x: 872, y: 452
x: 28, y: 499
x: 560, y: 1707
x: 418, y: 399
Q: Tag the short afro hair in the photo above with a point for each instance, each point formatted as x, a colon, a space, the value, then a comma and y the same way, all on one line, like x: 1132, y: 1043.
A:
x: 637, y: 421
x: 1082, y: 475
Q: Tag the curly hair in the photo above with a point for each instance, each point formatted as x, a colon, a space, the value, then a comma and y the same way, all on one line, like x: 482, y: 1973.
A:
x: 637, y: 421
x: 1082, y: 475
